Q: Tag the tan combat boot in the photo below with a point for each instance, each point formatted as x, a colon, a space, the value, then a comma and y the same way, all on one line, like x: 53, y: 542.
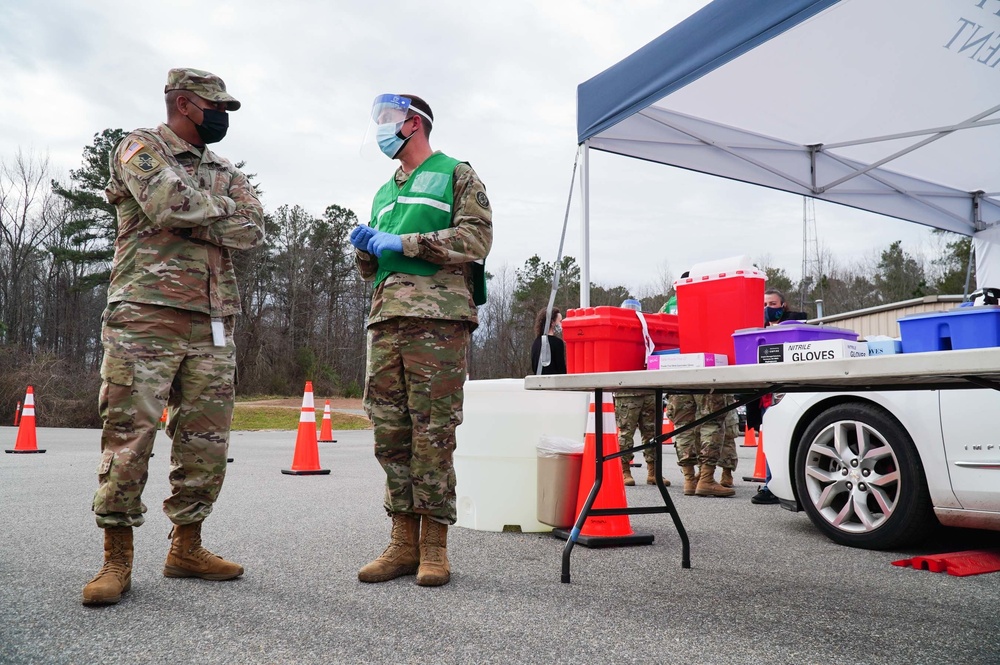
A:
x: 115, y: 576
x: 401, y: 556
x: 187, y: 558
x: 726, y: 480
x: 434, y: 569
x: 651, y: 475
x: 627, y: 472
x: 707, y: 485
x: 690, y: 480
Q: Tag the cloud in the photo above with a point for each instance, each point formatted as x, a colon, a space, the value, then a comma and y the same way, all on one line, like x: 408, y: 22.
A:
x: 501, y: 77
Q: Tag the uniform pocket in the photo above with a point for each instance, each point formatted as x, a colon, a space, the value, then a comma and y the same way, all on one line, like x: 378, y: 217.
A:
x: 116, y: 370
x: 447, y: 396
x: 117, y: 375
x: 108, y: 311
x: 104, y: 466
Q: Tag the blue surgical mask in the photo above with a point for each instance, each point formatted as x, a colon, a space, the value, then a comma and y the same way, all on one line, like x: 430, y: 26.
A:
x: 389, y: 140
x: 773, y: 314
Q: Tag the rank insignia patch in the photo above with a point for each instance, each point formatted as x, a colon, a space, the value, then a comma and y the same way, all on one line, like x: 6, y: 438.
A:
x: 482, y: 200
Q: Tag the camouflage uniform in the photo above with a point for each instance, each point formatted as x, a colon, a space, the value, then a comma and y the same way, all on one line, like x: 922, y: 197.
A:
x: 703, y: 445
x: 181, y: 209
x: 635, y: 410
x: 728, y: 458
x: 418, y: 337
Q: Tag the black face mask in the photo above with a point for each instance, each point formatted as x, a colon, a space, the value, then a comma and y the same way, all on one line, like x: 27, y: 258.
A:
x: 214, y: 125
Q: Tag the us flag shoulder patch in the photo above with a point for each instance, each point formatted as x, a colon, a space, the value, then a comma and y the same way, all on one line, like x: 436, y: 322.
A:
x: 130, y: 151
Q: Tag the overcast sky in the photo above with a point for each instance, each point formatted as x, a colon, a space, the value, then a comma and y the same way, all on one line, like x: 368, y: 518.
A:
x: 500, y: 76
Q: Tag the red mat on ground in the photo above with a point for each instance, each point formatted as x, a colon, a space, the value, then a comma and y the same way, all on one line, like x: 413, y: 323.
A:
x: 959, y: 564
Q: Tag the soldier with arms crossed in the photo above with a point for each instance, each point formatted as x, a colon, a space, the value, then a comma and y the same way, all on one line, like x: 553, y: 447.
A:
x: 168, y: 327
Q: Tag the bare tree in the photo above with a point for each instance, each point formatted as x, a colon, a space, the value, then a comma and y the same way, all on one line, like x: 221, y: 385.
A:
x: 500, y: 346
x: 28, y: 219
x: 655, y: 294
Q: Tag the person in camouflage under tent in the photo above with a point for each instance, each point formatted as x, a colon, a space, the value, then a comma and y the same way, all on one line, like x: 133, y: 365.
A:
x: 636, y: 410
x: 430, y: 231
x: 729, y: 459
x: 703, y: 445
x: 168, y: 328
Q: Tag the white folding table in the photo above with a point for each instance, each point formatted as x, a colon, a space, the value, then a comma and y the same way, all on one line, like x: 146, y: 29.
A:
x: 940, y: 370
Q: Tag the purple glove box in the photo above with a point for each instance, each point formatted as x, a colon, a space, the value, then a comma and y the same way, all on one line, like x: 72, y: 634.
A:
x: 747, y: 340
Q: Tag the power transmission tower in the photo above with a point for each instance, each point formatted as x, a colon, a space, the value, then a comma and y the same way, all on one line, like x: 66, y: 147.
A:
x: 811, y: 267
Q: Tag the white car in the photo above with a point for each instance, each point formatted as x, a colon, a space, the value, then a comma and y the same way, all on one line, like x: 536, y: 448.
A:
x: 879, y: 470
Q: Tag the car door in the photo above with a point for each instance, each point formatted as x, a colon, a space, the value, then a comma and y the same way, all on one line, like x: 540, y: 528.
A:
x: 970, y: 426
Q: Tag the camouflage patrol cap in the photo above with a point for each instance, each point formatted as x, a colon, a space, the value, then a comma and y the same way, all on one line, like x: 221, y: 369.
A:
x: 202, y: 83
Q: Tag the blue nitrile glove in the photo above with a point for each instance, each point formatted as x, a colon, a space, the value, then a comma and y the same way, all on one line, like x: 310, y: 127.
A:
x: 361, y: 235
x: 382, y: 241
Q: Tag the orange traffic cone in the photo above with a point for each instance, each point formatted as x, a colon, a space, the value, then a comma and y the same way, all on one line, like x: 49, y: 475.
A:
x: 26, y: 441
x: 668, y: 427
x: 162, y: 425
x: 326, y: 429
x: 603, y: 530
x: 759, y: 465
x: 306, y: 459
x: 749, y: 438
x: 17, y: 414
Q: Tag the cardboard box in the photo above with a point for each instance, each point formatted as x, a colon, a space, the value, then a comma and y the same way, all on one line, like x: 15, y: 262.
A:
x: 881, y: 347
x: 558, y: 485
x: 686, y: 360
x: 746, y: 341
x: 815, y: 351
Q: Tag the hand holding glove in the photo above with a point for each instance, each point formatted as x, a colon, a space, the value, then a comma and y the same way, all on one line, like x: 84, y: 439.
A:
x: 361, y: 235
x: 380, y: 242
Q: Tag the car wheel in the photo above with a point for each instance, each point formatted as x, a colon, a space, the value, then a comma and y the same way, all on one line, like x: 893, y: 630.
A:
x: 860, y: 479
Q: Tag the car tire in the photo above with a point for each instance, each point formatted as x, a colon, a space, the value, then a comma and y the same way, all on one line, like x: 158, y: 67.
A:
x: 860, y: 480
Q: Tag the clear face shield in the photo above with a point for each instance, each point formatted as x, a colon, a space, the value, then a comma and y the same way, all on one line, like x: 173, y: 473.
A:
x: 385, y: 122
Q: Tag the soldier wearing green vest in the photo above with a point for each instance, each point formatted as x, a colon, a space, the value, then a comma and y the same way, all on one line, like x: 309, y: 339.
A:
x: 424, y: 246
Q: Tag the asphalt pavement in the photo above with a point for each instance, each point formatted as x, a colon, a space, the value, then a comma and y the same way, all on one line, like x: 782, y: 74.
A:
x: 764, y: 586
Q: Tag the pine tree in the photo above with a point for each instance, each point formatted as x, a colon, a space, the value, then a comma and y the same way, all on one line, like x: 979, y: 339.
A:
x: 86, y: 241
x: 899, y: 276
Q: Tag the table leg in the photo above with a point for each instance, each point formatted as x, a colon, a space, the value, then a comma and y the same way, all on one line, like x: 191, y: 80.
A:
x: 598, y: 481
x: 668, y: 502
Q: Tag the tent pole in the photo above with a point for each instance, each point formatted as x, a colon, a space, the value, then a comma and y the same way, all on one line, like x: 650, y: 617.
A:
x: 977, y: 224
x: 585, y: 239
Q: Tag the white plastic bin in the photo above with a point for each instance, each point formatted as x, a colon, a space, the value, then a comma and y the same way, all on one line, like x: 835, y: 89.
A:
x: 496, y: 463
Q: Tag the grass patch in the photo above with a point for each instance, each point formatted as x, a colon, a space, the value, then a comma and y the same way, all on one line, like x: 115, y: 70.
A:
x: 250, y: 418
x: 260, y: 398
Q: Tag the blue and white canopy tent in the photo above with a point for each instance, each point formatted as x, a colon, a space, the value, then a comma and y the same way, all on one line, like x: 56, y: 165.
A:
x: 890, y: 106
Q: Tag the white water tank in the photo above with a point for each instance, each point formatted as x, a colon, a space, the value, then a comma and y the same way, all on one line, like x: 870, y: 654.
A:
x: 496, y: 464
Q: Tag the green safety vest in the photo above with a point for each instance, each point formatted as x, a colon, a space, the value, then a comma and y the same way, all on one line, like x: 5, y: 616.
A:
x: 670, y: 307
x: 422, y: 205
